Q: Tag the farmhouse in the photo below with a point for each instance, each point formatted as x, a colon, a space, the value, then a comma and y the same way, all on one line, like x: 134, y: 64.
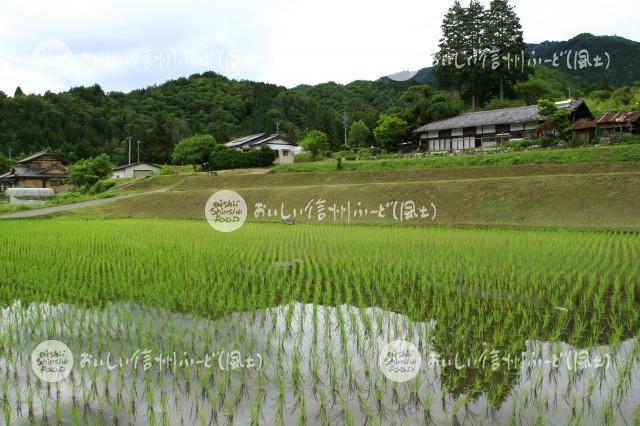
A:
x: 285, y: 149
x: 40, y: 170
x: 488, y: 128
x: 614, y: 124
x: 135, y: 170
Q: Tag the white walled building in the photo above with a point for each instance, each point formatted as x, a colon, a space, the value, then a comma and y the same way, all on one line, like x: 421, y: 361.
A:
x: 285, y: 149
x: 135, y: 170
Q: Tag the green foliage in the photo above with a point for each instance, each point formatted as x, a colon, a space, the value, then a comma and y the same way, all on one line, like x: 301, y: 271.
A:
x: 85, y: 121
x: 316, y: 142
x: 558, y: 118
x: 88, y: 172
x: 359, y: 134
x: 623, y: 99
x: 391, y: 131
x: 496, y: 103
x: 101, y: 186
x: 534, y: 89
x: 5, y: 164
x: 603, y: 154
x: 625, y: 140
x: 468, y: 34
x: 423, y: 105
x: 223, y: 157
x: 194, y: 150
x: 624, y: 53
x: 166, y: 170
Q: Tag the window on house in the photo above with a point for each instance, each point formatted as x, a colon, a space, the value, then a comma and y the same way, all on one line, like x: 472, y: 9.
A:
x: 285, y: 153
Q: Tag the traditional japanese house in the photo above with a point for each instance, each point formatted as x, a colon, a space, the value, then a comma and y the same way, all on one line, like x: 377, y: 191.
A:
x: 488, y: 128
x: 40, y: 170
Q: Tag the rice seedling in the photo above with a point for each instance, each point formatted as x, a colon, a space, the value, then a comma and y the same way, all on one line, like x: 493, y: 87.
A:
x: 319, y: 323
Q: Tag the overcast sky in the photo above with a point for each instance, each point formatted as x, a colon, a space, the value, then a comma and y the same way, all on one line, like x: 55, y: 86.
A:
x: 124, y: 45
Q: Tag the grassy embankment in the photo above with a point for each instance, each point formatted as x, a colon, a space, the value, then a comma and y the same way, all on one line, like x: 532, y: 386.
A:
x: 585, y: 196
x: 614, y: 153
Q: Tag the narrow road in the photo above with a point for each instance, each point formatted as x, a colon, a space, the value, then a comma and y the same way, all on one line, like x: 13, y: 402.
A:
x: 56, y: 209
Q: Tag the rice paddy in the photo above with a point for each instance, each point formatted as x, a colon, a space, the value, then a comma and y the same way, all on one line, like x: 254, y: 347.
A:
x: 513, y: 326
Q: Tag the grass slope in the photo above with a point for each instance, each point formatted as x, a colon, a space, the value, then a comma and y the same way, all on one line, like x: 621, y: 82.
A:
x: 616, y: 153
x: 596, y: 196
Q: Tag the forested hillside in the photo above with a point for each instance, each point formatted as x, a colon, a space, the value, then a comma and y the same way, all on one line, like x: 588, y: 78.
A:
x: 86, y: 121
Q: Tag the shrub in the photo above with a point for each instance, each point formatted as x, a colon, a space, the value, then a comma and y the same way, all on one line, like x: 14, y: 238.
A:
x: 625, y: 140
x: 547, y: 142
x: 166, y: 170
x: 342, y: 154
x: 304, y: 157
x: 223, y: 157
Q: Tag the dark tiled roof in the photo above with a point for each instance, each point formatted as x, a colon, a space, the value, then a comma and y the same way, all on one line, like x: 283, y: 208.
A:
x: 492, y: 117
x: 33, y: 156
x: 257, y: 140
x: 244, y: 140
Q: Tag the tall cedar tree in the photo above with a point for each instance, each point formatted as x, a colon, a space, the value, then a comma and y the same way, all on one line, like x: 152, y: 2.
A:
x: 451, y: 44
x: 472, y: 38
x: 505, y: 37
x: 459, y: 61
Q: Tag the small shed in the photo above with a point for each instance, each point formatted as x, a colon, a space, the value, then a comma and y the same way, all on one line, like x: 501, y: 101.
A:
x: 136, y: 170
x: 584, y: 130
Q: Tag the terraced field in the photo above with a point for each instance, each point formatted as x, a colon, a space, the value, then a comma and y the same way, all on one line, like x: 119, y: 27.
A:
x: 521, y: 326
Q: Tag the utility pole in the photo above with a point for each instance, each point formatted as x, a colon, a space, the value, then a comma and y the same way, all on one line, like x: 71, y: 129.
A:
x: 139, y: 150
x: 569, y: 92
x: 344, y: 121
x: 129, y: 139
x: 277, y: 127
x: 10, y: 159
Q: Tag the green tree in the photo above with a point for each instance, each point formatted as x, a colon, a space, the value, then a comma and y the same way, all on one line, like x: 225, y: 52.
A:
x: 534, y: 89
x: 194, y: 150
x: 89, y: 171
x: 5, y: 165
x: 223, y: 157
x: 391, y: 131
x: 316, y: 142
x: 461, y: 48
x: 18, y: 92
x: 558, y: 118
x: 504, y: 35
x: 359, y: 134
x: 451, y: 45
x: 423, y: 105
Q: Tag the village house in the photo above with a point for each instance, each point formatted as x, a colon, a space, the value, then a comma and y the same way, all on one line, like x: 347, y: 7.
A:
x: 488, y: 128
x: 612, y: 124
x: 285, y: 149
x: 40, y: 170
x: 135, y: 170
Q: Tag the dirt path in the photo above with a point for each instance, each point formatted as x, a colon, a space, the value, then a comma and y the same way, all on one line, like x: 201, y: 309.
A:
x: 56, y: 209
